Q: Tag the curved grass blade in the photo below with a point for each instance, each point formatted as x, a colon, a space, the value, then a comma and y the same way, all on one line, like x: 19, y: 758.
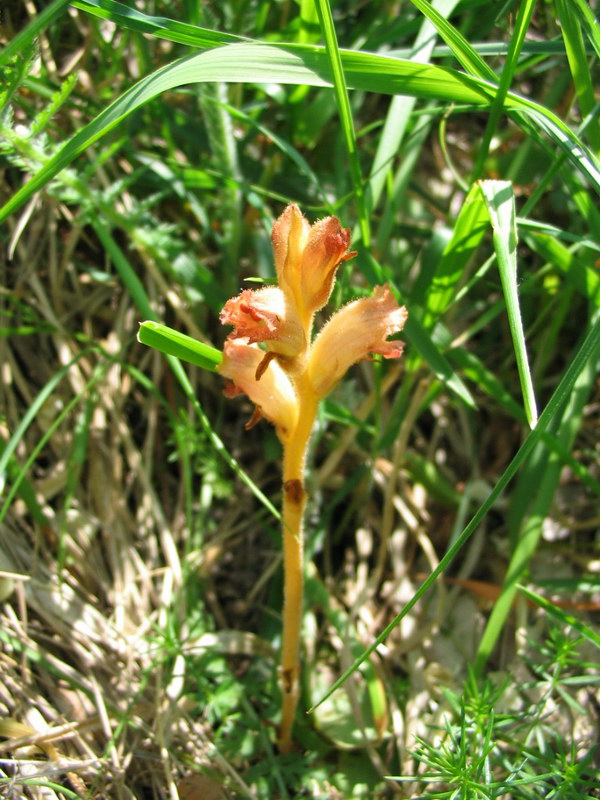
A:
x: 500, y: 200
x: 41, y: 21
x: 306, y: 64
x: 161, y: 27
x: 345, y: 113
x: 174, y: 343
x: 587, y: 351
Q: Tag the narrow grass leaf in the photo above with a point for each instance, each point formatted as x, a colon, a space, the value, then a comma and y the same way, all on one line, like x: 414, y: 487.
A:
x: 568, y: 620
x: 485, y: 380
x: 345, y: 112
x: 583, y: 278
x: 500, y: 201
x: 523, y: 18
x: 39, y: 23
x: 173, y: 343
x: 420, y: 339
x: 162, y: 27
x: 578, y: 64
x: 469, y: 230
x: 543, y: 473
x: 586, y: 353
x: 32, y: 412
x: 464, y: 53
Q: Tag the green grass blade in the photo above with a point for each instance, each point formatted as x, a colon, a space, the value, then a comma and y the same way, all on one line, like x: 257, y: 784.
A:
x: 523, y: 18
x: 345, y: 112
x: 582, y: 277
x: 161, y: 27
x: 578, y: 64
x: 465, y: 54
x: 41, y: 21
x: 589, y: 22
x: 543, y: 473
x: 568, y: 620
x: 303, y: 64
x: 468, y: 233
x: 500, y: 201
x: 173, y: 343
x: 587, y: 353
x: 420, y: 339
x: 32, y: 412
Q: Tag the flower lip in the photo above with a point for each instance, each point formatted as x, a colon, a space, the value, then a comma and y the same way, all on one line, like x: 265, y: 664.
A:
x: 354, y: 332
x: 264, y: 315
x: 273, y: 393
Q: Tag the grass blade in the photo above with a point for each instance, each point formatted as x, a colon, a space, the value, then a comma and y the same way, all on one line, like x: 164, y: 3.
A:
x: 543, y: 472
x: 304, y: 64
x: 500, y: 201
x: 345, y: 112
x: 524, y: 13
x: 173, y: 343
x: 163, y: 28
x: 586, y: 354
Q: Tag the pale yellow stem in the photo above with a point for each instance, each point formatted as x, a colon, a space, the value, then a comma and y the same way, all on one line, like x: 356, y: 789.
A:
x: 294, y: 502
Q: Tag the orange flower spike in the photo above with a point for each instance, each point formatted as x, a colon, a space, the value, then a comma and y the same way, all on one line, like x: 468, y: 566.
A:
x: 287, y: 380
x: 356, y: 330
x: 306, y: 259
x: 273, y: 394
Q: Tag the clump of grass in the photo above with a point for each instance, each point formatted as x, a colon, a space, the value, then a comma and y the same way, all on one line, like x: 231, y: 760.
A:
x: 141, y: 600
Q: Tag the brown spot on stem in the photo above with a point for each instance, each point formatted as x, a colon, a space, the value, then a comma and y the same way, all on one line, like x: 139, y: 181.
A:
x: 287, y: 680
x: 294, y: 491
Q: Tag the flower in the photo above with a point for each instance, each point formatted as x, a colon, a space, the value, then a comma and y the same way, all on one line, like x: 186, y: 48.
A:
x: 352, y: 334
x: 265, y: 315
x: 306, y: 259
x: 288, y: 377
x: 273, y: 394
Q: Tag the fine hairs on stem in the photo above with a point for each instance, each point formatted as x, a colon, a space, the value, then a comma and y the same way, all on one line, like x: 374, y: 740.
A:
x: 289, y: 377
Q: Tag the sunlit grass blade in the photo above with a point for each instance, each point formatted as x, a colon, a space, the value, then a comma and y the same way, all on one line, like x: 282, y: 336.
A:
x: 584, y: 358
x: 566, y: 619
x: 347, y: 124
x: 465, y: 54
x: 535, y: 493
x: 161, y: 27
x: 500, y: 201
x: 468, y: 232
x: 578, y: 64
x: 39, y: 22
x: 523, y: 18
x: 173, y: 343
x: 298, y: 64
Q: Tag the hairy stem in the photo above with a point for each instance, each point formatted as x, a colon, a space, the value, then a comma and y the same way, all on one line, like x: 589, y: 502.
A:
x: 294, y: 502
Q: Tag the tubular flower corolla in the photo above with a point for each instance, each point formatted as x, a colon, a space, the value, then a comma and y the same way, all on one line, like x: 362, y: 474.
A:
x: 289, y: 371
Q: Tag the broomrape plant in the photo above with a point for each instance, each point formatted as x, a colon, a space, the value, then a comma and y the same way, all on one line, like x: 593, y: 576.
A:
x: 290, y: 374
